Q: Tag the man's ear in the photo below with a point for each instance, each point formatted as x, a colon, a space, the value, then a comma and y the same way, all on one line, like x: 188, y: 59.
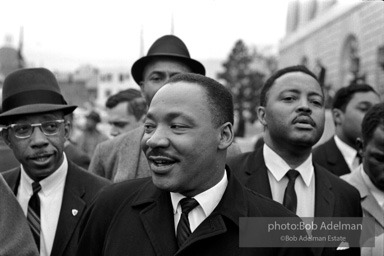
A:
x: 360, y: 146
x: 337, y: 115
x: 5, y: 135
x: 261, y: 115
x: 67, y: 129
x: 226, y: 135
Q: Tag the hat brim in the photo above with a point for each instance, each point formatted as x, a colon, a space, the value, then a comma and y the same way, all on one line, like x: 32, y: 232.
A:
x: 138, y: 67
x: 35, y: 109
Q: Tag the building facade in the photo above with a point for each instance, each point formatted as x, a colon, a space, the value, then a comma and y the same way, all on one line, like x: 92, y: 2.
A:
x: 111, y: 81
x: 342, y: 38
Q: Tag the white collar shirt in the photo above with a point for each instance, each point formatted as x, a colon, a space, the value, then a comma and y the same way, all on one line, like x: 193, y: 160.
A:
x: 208, y: 200
x: 304, y: 185
x: 348, y: 153
x: 51, y: 197
x: 377, y: 193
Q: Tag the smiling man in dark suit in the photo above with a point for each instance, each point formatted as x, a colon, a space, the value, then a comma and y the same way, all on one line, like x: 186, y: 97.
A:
x: 292, y: 113
x: 52, y: 191
x: 188, y: 130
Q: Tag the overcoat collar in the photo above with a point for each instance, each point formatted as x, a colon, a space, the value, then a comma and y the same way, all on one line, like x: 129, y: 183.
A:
x: 156, y: 215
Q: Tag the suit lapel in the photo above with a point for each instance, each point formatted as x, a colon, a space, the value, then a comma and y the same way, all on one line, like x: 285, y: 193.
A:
x: 258, y: 174
x: 211, y: 226
x: 335, y: 158
x: 13, y: 179
x: 324, y: 197
x: 370, y: 205
x: 324, y: 202
x: 72, y: 209
x: 157, y: 218
x: 232, y: 206
x: 368, y: 202
x: 131, y: 157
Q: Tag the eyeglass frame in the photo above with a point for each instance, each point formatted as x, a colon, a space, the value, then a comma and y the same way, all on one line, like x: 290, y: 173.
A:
x: 11, y: 126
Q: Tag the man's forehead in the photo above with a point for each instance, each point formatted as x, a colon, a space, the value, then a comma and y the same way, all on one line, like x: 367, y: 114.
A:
x: 43, y: 116
x: 295, y: 78
x: 181, y: 91
x: 165, y: 64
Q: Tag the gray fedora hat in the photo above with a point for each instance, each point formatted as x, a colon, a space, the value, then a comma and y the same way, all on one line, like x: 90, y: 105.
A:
x: 166, y: 46
x: 32, y: 91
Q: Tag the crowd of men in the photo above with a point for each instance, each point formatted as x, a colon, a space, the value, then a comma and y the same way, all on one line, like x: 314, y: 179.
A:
x: 172, y: 181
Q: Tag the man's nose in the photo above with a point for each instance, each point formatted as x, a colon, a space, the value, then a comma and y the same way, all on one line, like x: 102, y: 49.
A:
x: 304, y: 106
x: 114, y: 131
x: 38, y: 138
x: 159, y: 138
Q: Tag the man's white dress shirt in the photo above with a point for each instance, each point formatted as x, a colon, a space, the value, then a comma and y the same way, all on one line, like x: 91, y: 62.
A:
x: 304, y: 185
x: 51, y: 197
x: 349, y: 154
x: 208, y: 200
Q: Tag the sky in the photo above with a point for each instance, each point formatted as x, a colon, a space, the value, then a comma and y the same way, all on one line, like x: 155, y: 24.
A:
x: 66, y: 34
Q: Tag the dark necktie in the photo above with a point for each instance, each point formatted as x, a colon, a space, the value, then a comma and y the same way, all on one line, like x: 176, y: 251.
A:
x: 33, y: 214
x: 290, y: 198
x: 183, y: 228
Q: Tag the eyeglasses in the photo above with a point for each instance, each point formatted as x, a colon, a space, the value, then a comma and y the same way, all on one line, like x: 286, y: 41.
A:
x: 23, y: 131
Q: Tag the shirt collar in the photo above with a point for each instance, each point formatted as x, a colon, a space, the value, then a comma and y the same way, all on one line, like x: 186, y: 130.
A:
x: 49, y: 184
x: 347, y: 151
x: 278, y: 167
x: 208, y: 200
x: 377, y: 193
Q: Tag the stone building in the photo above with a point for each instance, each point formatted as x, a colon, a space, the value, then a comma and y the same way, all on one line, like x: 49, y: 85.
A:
x: 343, y: 38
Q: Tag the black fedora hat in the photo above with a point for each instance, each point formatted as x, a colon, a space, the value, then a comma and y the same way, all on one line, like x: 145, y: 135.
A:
x: 32, y: 91
x: 166, y: 46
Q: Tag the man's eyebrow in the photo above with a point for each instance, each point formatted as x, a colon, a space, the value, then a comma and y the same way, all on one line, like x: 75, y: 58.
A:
x: 176, y: 114
x: 171, y: 116
x: 157, y: 72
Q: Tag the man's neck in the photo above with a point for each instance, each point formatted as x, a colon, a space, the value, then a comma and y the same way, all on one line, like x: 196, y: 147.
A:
x: 293, y: 155
x: 339, y: 133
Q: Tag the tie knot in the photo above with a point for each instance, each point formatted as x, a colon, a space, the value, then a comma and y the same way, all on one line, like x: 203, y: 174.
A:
x: 359, y: 158
x: 36, y: 187
x: 292, y: 174
x: 187, y: 204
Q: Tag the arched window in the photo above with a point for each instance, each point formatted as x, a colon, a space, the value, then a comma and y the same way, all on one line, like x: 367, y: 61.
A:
x: 293, y: 16
x: 350, y: 62
x: 312, y: 9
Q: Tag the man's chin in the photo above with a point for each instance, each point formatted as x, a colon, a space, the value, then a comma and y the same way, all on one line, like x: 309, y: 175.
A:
x: 305, y: 142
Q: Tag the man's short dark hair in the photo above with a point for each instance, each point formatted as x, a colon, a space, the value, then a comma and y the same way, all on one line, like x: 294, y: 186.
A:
x: 344, y: 95
x: 136, y: 103
x: 372, y: 119
x: 219, y: 98
x: 271, y: 80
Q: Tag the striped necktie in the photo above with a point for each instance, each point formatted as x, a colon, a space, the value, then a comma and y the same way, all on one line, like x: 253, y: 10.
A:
x: 183, y: 228
x: 33, y: 215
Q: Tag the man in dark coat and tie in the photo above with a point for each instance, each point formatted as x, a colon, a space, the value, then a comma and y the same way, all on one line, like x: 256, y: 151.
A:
x: 192, y: 203
x: 339, y: 153
x: 52, y: 191
x: 292, y: 113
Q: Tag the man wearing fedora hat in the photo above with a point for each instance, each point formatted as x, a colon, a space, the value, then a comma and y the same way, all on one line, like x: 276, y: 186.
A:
x: 121, y: 158
x: 52, y: 191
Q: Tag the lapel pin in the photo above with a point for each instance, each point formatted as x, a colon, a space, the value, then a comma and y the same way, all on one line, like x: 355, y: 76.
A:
x: 74, y: 212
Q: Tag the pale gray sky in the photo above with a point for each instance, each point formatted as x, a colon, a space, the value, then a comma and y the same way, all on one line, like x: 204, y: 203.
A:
x: 64, y: 34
